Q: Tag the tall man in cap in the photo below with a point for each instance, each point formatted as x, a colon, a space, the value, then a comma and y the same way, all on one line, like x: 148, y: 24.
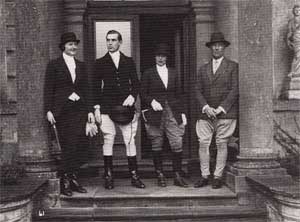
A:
x: 216, y: 92
x: 115, y: 87
x: 66, y: 105
x: 164, y: 112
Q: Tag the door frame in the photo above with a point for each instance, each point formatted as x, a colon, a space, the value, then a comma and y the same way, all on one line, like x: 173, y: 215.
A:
x: 120, y: 10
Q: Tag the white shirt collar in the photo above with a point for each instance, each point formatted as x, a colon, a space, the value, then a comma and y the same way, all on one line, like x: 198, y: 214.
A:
x: 219, y: 60
x: 115, y: 54
x: 161, y: 67
x: 68, y: 58
x: 163, y: 73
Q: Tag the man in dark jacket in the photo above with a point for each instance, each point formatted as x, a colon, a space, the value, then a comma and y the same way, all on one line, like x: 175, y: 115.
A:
x: 216, y: 92
x: 115, y: 84
x: 164, y: 112
x: 66, y: 105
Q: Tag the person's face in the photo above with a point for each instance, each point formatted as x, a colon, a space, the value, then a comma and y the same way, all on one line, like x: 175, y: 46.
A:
x: 297, y: 11
x: 161, y: 60
x: 217, y: 49
x: 71, y: 48
x: 112, y: 42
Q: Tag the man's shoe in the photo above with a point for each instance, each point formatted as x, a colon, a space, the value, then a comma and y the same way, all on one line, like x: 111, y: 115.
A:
x: 201, y: 182
x: 108, y: 182
x: 179, y: 181
x: 136, y: 182
x: 161, y: 180
x: 65, y: 186
x: 217, y: 183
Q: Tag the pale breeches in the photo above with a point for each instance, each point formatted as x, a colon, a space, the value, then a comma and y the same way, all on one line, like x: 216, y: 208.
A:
x: 108, y: 128
x: 224, y: 128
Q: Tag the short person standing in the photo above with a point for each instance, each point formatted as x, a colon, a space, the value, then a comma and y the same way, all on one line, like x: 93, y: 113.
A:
x: 164, y: 112
x: 216, y: 92
x: 66, y: 105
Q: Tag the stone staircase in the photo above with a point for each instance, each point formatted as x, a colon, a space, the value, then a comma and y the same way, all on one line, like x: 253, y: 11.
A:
x: 126, y: 203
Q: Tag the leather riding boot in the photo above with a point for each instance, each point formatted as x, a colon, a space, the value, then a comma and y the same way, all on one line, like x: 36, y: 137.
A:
x: 74, y: 184
x: 108, y: 178
x: 157, y: 160
x: 179, y: 181
x: 177, y: 168
x: 135, y: 179
x: 65, y: 186
x: 161, y: 179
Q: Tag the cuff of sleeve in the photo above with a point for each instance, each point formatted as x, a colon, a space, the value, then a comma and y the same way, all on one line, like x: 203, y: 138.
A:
x: 222, y: 109
x: 204, y: 107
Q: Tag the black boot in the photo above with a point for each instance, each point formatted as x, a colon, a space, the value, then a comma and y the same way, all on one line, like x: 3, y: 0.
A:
x: 135, y: 179
x: 74, y: 184
x: 65, y: 185
x: 177, y: 168
x: 157, y: 160
x: 108, y: 178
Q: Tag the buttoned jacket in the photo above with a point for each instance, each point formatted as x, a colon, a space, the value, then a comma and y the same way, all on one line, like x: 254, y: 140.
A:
x: 59, y: 85
x: 219, y: 89
x: 111, y: 85
x: 153, y: 88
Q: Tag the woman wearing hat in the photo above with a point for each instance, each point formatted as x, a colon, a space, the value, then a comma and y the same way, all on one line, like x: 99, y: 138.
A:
x: 65, y: 96
x: 216, y: 92
x: 164, y: 112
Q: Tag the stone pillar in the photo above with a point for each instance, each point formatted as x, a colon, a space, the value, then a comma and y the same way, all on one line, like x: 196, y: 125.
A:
x: 3, y: 74
x: 205, y: 25
x: 37, y: 25
x: 74, y: 21
x: 256, y: 55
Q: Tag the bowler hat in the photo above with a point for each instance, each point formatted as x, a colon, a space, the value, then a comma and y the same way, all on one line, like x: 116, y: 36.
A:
x: 162, y: 49
x: 217, y: 37
x: 122, y: 115
x: 68, y: 37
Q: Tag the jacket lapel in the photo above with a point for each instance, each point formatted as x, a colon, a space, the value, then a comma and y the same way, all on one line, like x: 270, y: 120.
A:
x: 209, y: 71
x: 159, y: 79
x: 77, y: 72
x: 220, y: 70
x: 66, y: 70
x: 110, y: 61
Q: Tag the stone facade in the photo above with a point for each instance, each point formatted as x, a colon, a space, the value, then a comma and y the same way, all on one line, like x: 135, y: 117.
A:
x: 256, y: 30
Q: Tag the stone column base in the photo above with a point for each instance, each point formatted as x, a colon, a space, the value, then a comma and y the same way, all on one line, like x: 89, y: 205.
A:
x: 44, y: 168
x: 293, y: 89
x: 236, y: 173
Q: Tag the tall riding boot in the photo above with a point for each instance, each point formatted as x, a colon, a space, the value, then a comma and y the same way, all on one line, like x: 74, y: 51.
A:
x: 108, y: 177
x: 65, y: 188
x: 177, y: 168
x: 135, y: 180
x: 74, y: 184
x: 157, y: 160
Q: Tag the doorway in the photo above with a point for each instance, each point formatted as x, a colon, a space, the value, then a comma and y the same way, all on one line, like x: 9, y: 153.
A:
x: 148, y: 25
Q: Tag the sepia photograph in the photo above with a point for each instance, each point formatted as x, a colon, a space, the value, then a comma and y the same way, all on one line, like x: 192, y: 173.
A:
x: 150, y: 110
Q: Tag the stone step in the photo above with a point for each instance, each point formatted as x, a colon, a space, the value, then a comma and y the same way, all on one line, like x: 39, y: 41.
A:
x: 143, y: 214
x: 120, y: 168
x: 125, y: 195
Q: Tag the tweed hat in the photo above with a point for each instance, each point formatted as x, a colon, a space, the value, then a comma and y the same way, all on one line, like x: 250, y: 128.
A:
x: 68, y: 37
x: 217, y: 37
